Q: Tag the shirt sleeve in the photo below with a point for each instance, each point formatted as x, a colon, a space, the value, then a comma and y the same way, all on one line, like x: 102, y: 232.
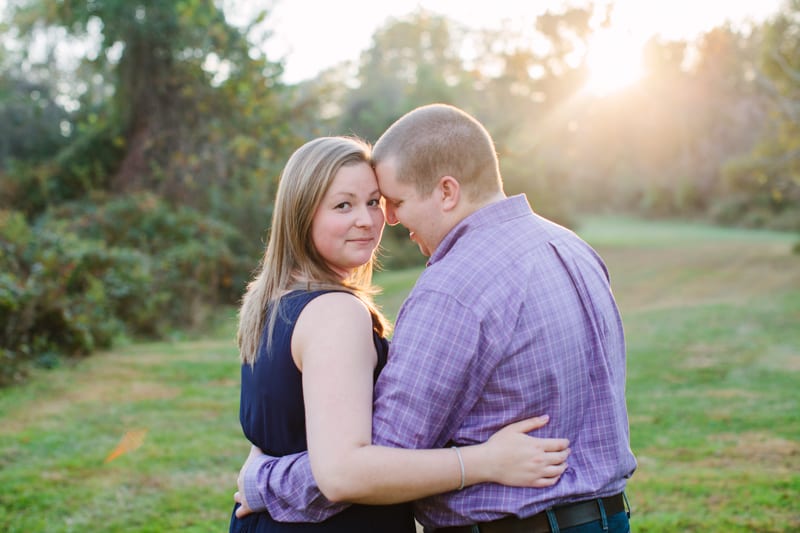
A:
x: 285, y: 487
x: 431, y: 380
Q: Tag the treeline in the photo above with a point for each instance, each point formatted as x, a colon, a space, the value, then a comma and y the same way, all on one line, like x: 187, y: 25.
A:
x: 141, y: 143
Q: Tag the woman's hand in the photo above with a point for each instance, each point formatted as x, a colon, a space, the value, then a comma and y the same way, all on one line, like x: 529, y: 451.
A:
x: 516, y: 459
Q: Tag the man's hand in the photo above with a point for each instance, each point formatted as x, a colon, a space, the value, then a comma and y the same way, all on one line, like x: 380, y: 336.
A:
x: 238, y: 496
x: 243, y: 509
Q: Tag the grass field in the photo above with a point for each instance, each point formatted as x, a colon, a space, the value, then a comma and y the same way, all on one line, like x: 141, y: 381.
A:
x: 146, y: 438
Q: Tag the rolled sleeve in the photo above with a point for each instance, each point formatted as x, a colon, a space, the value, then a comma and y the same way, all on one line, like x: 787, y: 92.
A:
x: 256, y: 470
x: 285, y: 487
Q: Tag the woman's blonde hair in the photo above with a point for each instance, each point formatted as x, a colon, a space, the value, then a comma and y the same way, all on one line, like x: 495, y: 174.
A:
x: 291, y: 260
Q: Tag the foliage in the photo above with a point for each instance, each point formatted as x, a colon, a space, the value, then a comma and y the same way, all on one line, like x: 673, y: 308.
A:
x: 90, y: 271
x: 185, y: 109
x: 31, y: 119
x: 60, y: 295
x: 415, y: 61
x: 78, y: 168
x: 411, y: 61
x: 197, y: 261
x: 670, y: 145
x: 170, y: 112
x: 765, y: 184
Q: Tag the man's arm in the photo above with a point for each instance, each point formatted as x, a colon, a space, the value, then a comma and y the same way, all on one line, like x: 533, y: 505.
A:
x: 284, y: 487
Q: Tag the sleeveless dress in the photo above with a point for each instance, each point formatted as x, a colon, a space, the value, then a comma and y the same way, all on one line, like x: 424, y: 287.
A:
x: 272, y: 414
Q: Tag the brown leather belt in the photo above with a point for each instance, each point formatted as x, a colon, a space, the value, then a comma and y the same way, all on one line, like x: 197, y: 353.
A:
x: 569, y: 515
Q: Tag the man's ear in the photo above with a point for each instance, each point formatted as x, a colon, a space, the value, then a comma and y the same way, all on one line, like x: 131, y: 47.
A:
x: 450, y: 192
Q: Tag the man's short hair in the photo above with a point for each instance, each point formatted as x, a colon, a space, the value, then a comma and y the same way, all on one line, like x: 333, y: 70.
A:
x: 441, y: 140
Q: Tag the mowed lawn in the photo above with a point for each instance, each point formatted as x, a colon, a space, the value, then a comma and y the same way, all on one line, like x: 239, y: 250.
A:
x: 145, y: 438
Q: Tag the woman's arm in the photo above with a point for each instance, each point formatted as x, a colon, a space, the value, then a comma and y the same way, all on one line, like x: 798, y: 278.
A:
x: 332, y: 345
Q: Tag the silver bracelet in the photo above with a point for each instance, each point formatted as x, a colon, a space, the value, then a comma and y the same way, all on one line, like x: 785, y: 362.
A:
x: 461, y: 464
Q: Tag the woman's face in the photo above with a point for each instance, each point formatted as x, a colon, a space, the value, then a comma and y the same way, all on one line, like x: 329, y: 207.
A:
x: 348, y: 223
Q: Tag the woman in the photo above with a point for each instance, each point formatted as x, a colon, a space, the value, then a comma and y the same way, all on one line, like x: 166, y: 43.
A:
x: 312, y: 343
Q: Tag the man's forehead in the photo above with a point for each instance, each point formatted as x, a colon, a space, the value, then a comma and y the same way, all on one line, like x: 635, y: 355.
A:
x: 386, y: 175
x: 385, y: 167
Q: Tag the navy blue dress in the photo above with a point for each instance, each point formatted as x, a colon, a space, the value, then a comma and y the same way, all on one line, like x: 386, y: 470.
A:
x: 272, y: 413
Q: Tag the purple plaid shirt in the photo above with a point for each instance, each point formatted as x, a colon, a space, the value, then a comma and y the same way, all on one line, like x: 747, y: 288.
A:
x: 513, y: 317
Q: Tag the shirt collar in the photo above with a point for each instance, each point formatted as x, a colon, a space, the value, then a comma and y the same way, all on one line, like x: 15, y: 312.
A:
x: 497, y: 212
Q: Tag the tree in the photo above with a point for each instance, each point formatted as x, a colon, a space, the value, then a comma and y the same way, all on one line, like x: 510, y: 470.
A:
x: 31, y: 119
x: 412, y: 61
x: 172, y: 128
x: 531, y: 107
x: 417, y: 60
x: 188, y: 108
x: 766, y: 184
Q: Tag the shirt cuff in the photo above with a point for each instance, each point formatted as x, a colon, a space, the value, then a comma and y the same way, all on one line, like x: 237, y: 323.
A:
x: 255, y: 476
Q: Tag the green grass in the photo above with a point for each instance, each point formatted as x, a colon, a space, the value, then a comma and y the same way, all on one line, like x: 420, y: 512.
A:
x: 625, y: 231
x: 58, y: 430
x: 712, y: 320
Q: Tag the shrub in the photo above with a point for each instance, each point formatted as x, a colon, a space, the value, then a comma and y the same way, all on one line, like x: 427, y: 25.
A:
x: 54, y: 297
x: 87, y: 272
x: 32, y: 185
x: 195, y: 259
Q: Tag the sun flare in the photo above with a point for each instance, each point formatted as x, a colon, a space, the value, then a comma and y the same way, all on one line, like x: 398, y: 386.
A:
x: 614, y: 60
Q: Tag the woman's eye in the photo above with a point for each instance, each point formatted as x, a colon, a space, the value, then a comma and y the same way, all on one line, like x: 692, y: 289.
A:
x: 374, y: 203
x: 343, y: 205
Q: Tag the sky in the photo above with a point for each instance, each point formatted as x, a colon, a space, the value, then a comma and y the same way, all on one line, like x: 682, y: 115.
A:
x: 312, y: 35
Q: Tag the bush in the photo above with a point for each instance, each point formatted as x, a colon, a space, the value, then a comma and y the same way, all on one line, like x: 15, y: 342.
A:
x: 196, y: 260
x: 32, y: 185
x: 54, y: 297
x: 85, y: 273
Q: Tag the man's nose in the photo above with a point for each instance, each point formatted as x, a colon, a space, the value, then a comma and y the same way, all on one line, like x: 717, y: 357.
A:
x: 391, y: 217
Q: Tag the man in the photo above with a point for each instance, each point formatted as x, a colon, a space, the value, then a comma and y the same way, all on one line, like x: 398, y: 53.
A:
x: 512, y: 317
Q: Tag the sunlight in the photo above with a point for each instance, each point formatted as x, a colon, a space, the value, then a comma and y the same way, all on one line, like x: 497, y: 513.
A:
x: 614, y: 60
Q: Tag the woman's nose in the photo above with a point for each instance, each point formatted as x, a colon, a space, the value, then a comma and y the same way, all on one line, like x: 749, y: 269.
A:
x: 364, y: 218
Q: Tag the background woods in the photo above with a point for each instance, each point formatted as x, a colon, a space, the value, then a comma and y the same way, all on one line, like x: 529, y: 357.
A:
x: 141, y: 143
